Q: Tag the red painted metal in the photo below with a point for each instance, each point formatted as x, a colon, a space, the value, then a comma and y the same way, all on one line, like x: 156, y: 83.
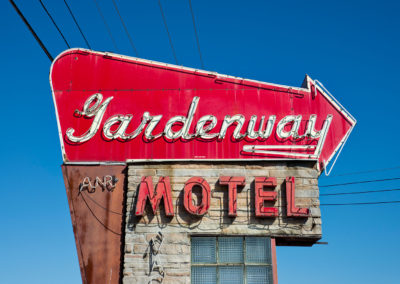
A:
x: 163, y: 190
x: 97, y: 219
x: 274, y: 262
x: 202, y: 208
x: 139, y: 86
x: 146, y: 192
x: 232, y: 183
x: 261, y: 196
x: 292, y: 210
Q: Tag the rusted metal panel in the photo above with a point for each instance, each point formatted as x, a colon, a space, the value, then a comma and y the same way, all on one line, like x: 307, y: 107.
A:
x: 96, y: 201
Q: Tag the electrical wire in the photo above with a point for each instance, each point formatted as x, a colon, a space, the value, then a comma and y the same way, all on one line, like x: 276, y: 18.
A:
x: 106, y: 25
x: 359, y: 203
x: 54, y: 23
x: 359, y: 182
x: 360, y: 192
x: 76, y: 23
x: 125, y: 28
x: 195, y: 32
x: 31, y: 30
x: 101, y: 206
x: 97, y: 218
x: 169, y: 35
x: 365, y: 172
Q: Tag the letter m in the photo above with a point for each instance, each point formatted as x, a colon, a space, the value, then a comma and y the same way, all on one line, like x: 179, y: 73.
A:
x: 147, y: 191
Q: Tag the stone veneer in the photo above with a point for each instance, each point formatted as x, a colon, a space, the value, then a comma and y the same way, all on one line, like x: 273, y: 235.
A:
x: 158, y: 247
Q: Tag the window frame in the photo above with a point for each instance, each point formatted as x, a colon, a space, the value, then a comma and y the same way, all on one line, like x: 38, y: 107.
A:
x: 244, y: 264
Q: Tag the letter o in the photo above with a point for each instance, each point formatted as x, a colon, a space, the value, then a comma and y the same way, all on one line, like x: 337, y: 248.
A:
x: 202, y: 208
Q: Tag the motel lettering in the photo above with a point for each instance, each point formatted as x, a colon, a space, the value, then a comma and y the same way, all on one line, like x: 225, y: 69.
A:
x: 263, y: 187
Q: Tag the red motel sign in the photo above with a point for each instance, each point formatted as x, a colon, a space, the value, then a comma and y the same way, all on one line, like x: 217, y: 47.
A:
x: 121, y: 109
x: 264, y: 192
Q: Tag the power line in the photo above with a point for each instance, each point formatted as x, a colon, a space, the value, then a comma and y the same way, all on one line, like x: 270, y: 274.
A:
x: 105, y: 23
x: 368, y: 171
x: 359, y: 203
x: 169, y: 35
x: 32, y: 31
x: 360, y: 192
x: 358, y: 182
x: 125, y: 28
x: 76, y: 23
x: 197, y: 36
x: 54, y: 23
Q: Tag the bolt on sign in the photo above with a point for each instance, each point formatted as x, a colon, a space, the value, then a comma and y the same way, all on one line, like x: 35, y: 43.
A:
x: 202, y: 154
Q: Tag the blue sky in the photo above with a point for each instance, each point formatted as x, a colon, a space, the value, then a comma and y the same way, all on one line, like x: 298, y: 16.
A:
x: 350, y: 46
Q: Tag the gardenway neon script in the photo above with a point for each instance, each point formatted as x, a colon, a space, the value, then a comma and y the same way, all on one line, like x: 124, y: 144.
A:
x: 115, y: 108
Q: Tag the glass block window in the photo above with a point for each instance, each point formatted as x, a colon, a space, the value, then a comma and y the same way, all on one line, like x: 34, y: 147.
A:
x: 231, y: 260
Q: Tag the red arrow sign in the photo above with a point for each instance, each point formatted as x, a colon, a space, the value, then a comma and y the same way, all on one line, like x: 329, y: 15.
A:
x: 115, y: 108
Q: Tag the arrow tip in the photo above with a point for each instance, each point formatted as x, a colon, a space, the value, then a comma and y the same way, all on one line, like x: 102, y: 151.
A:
x: 306, y: 82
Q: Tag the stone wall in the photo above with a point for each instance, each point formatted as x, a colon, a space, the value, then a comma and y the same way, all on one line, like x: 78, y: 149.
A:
x: 158, y: 247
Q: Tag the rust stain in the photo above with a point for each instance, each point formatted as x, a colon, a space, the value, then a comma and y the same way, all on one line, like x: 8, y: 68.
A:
x: 97, y: 220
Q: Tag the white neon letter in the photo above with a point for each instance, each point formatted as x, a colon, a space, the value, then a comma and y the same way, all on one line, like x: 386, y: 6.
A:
x: 97, y: 111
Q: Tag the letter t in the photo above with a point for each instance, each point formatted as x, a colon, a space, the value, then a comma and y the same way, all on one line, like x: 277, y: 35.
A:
x: 232, y: 183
